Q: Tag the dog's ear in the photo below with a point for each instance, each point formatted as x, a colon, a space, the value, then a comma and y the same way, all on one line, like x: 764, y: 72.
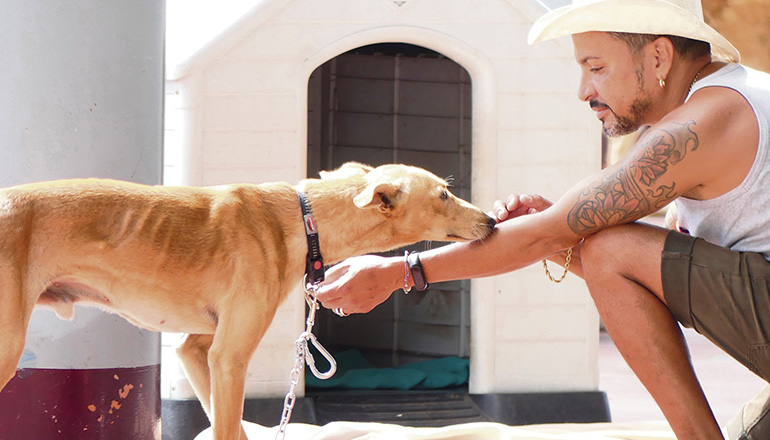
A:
x: 381, y: 195
x: 347, y: 170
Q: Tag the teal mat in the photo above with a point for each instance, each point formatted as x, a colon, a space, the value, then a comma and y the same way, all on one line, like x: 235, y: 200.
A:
x: 355, y: 372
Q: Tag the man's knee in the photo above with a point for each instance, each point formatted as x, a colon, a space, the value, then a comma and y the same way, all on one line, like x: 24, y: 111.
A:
x: 598, y: 243
x: 599, y: 251
x: 628, y: 252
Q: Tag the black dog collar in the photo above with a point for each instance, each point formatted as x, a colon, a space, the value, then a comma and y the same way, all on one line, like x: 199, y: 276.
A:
x: 314, y: 267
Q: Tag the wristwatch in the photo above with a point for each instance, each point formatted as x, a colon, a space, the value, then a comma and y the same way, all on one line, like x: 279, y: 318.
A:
x: 415, y: 269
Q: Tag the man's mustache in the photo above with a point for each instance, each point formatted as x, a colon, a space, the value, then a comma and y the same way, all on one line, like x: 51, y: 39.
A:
x: 597, y: 105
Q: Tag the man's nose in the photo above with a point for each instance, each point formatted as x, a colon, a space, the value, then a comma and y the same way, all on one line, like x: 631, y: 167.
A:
x: 585, y: 89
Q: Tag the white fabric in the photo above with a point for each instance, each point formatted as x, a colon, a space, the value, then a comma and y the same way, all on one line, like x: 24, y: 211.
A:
x: 474, y: 431
x: 748, y: 415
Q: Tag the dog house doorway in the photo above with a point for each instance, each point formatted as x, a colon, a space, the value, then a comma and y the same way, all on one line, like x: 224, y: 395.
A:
x: 396, y: 103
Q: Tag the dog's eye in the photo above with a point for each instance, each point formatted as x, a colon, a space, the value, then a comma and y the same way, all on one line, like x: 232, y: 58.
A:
x: 444, y: 195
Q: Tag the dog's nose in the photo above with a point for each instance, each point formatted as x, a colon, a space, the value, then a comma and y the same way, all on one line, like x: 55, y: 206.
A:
x: 491, y: 222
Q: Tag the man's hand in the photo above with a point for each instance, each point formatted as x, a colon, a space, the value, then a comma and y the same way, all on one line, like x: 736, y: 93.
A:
x: 359, y: 284
x: 518, y: 205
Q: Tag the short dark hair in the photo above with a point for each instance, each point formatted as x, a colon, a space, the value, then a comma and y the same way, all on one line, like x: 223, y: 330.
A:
x: 685, y: 47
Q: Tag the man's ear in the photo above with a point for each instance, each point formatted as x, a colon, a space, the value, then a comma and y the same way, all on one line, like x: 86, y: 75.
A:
x: 663, y: 53
x: 382, y: 195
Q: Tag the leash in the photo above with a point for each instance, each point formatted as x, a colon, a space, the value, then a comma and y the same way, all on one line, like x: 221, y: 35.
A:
x: 314, y: 274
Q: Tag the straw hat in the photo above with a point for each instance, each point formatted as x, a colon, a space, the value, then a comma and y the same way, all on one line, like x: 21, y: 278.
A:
x: 682, y: 18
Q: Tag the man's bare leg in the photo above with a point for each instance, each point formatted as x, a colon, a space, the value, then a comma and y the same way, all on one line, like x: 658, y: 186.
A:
x: 621, y: 266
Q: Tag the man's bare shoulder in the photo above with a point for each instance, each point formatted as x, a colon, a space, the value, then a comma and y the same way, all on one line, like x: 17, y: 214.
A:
x: 715, y: 107
x: 728, y: 136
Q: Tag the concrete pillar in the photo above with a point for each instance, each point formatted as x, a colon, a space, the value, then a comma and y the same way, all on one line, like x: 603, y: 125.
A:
x: 82, y: 84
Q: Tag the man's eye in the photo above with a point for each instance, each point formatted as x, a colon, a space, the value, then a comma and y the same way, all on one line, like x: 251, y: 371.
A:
x: 595, y: 69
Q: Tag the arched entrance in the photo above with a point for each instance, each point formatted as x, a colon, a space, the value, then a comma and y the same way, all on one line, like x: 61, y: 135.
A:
x: 396, y: 103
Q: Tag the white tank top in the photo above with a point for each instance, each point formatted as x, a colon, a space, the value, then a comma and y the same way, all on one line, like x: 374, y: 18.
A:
x: 739, y: 219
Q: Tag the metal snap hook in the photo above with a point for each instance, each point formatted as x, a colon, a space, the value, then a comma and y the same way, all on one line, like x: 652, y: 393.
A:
x: 311, y: 361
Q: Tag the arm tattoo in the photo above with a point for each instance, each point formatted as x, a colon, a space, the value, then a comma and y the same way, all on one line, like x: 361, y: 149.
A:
x: 632, y: 192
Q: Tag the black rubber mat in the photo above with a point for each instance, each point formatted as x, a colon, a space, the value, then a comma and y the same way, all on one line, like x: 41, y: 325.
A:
x: 403, y: 408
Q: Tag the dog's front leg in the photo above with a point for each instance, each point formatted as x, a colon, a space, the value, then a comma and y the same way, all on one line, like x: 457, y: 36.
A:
x: 194, y: 354
x: 234, y: 343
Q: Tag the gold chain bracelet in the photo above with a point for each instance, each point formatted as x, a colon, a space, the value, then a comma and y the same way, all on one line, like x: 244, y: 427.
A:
x: 566, y: 268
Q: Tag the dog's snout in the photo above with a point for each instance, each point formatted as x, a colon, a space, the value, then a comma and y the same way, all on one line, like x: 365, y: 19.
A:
x: 491, y: 222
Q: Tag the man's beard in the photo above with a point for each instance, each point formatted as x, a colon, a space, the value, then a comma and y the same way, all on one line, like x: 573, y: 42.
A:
x: 628, y: 124
x: 637, y: 112
x: 624, y: 125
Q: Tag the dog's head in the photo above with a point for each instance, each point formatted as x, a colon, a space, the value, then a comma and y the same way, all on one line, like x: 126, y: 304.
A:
x: 416, y: 203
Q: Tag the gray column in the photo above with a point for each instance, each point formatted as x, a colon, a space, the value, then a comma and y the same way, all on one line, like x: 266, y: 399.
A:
x: 82, y: 96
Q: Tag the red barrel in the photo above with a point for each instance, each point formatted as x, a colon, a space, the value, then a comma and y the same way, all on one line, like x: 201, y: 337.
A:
x: 95, y: 377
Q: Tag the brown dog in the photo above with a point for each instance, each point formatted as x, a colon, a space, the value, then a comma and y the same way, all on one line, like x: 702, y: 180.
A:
x: 211, y: 262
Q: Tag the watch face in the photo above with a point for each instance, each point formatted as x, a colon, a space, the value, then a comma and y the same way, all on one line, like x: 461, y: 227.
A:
x: 415, y: 267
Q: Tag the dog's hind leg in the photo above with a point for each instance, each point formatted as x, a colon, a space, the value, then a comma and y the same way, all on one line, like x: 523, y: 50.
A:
x: 14, y: 319
x: 11, y: 348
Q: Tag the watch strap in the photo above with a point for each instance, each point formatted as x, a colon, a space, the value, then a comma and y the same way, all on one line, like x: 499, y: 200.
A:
x: 415, y: 269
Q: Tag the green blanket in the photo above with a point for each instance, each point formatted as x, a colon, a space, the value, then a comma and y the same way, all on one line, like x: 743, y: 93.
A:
x: 355, y: 372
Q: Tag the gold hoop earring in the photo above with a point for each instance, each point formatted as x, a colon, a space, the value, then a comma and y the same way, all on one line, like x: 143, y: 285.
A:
x: 662, y: 83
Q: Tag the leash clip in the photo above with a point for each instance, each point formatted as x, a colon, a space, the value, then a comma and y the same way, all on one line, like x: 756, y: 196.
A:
x: 308, y: 336
x: 325, y: 353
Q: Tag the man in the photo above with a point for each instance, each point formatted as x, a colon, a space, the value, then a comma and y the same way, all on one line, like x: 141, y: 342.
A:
x: 644, y: 63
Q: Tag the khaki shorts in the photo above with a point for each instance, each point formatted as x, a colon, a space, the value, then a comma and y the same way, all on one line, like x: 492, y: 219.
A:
x: 722, y: 294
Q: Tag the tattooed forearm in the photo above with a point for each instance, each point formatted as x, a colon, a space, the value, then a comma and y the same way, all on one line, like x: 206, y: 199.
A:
x: 632, y: 191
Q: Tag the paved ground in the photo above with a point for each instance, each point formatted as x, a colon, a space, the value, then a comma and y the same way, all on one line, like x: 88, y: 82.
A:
x: 727, y: 384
